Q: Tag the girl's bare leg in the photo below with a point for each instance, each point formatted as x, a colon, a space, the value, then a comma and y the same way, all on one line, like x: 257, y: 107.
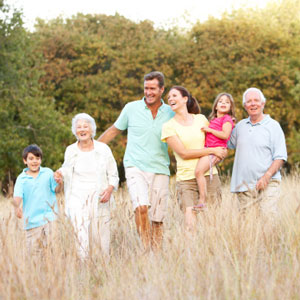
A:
x: 202, y: 167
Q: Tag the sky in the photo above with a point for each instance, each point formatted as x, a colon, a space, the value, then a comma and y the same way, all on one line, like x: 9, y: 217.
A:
x: 164, y: 13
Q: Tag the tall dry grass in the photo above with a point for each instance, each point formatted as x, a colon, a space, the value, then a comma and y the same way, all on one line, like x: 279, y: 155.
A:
x: 230, y: 257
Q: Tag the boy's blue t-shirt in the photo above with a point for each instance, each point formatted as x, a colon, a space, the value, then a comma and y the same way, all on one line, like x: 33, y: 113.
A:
x: 39, y: 199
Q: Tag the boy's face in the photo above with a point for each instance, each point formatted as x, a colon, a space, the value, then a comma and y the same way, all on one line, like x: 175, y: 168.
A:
x: 33, y: 162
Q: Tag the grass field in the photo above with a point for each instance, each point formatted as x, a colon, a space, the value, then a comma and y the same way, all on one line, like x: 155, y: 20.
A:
x: 230, y: 257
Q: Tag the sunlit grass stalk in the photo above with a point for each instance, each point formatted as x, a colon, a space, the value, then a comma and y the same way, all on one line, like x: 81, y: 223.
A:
x: 231, y: 256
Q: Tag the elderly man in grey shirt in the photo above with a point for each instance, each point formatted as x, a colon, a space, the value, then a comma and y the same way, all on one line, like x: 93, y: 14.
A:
x: 260, y: 153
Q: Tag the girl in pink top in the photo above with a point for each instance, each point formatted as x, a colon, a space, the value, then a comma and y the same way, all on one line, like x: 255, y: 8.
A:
x: 218, y: 132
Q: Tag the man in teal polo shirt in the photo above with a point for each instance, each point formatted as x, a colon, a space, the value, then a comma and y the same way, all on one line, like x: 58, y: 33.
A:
x: 146, y: 158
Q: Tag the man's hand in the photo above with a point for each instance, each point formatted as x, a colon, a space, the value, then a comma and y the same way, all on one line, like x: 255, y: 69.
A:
x: 105, y: 196
x: 263, y: 182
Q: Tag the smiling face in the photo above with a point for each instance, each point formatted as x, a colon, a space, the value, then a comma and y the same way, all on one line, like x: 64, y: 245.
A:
x: 223, y: 106
x: 254, y: 106
x: 176, y: 100
x: 33, y: 163
x: 153, y: 92
x: 83, y: 130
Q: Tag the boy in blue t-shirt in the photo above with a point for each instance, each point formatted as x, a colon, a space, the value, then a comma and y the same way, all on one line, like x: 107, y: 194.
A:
x: 36, y: 187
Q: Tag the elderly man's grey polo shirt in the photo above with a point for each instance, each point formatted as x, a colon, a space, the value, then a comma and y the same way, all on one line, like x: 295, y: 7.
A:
x: 257, y: 146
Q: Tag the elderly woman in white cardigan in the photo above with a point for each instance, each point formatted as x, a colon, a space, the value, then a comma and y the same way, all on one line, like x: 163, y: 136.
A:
x: 90, y: 175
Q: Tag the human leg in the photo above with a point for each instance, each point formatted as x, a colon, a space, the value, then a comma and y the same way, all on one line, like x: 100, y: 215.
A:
x: 80, y: 220
x: 156, y: 235
x: 269, y: 200
x: 213, y: 185
x: 51, y: 234
x: 104, y: 229
x: 159, y: 195
x: 38, y: 239
x: 138, y: 186
x: 82, y: 231
x: 34, y: 241
x: 247, y: 200
x: 202, y: 167
x: 143, y: 225
x: 188, y: 194
x: 190, y: 220
x: 100, y: 230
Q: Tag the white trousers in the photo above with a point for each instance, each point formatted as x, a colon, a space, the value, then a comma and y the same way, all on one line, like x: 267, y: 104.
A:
x: 91, y: 222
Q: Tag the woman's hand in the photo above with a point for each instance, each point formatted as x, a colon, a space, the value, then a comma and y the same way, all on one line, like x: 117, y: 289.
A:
x: 58, y: 177
x: 18, y: 212
x: 106, y: 194
x: 220, y: 152
x: 206, y: 129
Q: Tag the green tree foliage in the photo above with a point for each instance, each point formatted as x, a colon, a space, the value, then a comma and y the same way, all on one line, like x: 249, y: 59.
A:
x: 26, y: 115
x: 96, y: 64
x: 247, y: 48
x: 294, y: 133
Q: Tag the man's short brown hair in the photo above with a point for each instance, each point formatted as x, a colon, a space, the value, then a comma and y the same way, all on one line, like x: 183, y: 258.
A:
x: 156, y: 75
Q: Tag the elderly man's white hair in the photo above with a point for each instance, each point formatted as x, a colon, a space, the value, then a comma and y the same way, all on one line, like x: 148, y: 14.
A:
x: 87, y: 118
x: 253, y: 89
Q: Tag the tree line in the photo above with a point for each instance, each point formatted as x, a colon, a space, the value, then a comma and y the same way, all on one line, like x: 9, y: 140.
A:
x: 96, y: 63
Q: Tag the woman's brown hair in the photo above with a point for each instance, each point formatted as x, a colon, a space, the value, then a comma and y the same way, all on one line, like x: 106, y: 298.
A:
x: 192, y: 103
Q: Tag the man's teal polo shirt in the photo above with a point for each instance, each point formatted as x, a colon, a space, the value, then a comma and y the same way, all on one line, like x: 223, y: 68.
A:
x: 144, y: 149
x: 38, y: 196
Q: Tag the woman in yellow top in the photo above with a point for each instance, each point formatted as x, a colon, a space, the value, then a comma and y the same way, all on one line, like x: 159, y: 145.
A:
x: 184, y: 135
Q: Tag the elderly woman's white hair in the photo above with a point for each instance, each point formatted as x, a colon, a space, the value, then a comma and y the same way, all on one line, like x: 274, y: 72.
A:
x: 253, y: 89
x: 87, y: 118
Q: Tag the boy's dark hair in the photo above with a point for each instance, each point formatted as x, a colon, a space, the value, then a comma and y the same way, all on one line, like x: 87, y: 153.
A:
x: 34, y: 149
x: 156, y: 75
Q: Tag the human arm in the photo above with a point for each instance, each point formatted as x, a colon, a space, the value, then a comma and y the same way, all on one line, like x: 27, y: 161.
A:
x: 59, y: 187
x: 63, y: 175
x: 111, y: 174
x: 16, y: 202
x: 58, y: 177
x: 279, y: 155
x: 223, y: 134
x: 263, y: 182
x: 109, y: 134
x: 231, y: 144
x: 177, y: 146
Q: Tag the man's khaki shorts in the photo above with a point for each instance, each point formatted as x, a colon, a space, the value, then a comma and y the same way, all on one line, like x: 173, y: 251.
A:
x: 188, y: 193
x: 148, y: 189
x: 266, y: 200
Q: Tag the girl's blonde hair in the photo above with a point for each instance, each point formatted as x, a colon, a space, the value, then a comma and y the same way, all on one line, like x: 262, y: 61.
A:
x: 231, y: 112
